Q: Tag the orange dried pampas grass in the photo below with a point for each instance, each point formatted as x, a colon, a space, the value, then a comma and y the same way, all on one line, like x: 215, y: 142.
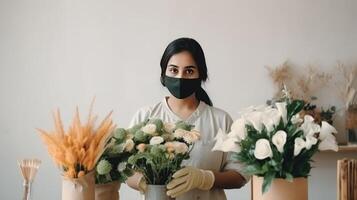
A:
x: 77, y: 150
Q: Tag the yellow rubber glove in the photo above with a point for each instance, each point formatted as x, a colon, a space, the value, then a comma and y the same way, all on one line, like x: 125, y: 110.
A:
x: 190, y: 178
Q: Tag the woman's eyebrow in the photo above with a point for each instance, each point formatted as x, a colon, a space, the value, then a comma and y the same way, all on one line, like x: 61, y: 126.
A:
x: 190, y: 67
x: 172, y: 65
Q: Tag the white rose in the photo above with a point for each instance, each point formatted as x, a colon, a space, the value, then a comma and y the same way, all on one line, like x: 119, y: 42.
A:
x: 169, y: 127
x: 281, y: 106
x: 191, y: 137
x: 180, y: 147
x: 179, y: 133
x: 121, y: 166
x: 279, y: 140
x: 170, y: 147
x: 149, y: 129
x: 141, y: 147
x: 238, y: 129
x: 156, y: 140
x: 326, y: 130
x: 262, y: 149
x: 299, y: 144
x: 129, y: 145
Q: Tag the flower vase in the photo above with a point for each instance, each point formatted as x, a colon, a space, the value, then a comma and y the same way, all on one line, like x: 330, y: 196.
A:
x: 79, y: 189
x: 107, y: 191
x: 280, y: 189
x: 156, y: 192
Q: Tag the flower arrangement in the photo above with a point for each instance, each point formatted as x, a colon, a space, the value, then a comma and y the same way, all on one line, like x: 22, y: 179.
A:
x: 113, y: 164
x: 159, y: 148
x: 77, y: 150
x: 276, y: 141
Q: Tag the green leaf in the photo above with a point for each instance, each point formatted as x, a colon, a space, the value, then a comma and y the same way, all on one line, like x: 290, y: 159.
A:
x: 268, y: 179
x: 295, y: 107
x: 289, y: 177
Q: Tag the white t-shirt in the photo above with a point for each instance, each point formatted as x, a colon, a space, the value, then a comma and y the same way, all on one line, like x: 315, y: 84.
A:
x: 207, y: 120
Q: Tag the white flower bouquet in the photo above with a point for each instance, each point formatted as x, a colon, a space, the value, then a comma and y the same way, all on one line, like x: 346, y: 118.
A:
x: 158, y: 148
x: 276, y: 142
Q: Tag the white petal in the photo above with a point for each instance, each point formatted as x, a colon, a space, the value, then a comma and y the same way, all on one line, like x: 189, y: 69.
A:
x: 329, y: 143
x: 326, y: 129
x: 298, y: 146
x: 282, y: 109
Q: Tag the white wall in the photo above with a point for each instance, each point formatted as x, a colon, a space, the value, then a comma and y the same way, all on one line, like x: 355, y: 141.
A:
x: 62, y: 53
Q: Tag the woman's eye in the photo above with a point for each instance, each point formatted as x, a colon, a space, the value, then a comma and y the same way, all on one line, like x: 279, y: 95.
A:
x: 173, y: 70
x: 189, y: 71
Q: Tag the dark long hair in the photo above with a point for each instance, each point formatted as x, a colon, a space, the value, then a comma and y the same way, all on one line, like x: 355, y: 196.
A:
x: 194, y: 48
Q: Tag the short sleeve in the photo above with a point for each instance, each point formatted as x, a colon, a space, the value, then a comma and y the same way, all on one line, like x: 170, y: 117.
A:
x: 229, y: 163
x: 141, y: 115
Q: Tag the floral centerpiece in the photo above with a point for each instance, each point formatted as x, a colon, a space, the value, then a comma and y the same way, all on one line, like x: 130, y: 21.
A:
x: 160, y: 148
x: 277, y: 141
x: 76, y: 152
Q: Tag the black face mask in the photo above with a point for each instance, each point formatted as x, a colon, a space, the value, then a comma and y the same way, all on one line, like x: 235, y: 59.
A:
x: 181, y: 87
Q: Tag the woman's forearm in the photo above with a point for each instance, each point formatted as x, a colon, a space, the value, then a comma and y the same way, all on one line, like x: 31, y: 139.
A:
x: 228, y: 180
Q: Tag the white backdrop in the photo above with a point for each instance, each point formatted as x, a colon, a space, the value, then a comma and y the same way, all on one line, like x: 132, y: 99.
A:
x: 61, y: 53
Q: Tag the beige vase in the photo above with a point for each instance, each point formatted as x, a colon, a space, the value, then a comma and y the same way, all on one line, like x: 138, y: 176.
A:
x: 280, y: 189
x: 108, y: 191
x: 78, y: 189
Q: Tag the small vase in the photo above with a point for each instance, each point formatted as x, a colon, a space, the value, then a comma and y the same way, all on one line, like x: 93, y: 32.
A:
x: 79, y: 189
x: 156, y: 192
x: 351, y: 124
x: 107, y: 191
x: 27, y: 190
x: 280, y: 189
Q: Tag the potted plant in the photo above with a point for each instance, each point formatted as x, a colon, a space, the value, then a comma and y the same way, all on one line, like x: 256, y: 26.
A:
x: 276, y: 143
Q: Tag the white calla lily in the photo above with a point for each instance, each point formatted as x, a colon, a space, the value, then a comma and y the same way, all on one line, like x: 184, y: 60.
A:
x: 262, y: 149
x: 281, y: 106
x: 310, y: 141
x: 238, y: 129
x: 255, y: 119
x: 329, y: 143
x: 309, y: 126
x: 326, y: 130
x: 279, y: 140
x: 299, y: 144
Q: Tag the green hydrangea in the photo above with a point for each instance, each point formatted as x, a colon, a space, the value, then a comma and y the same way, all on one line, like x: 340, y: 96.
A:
x: 120, y: 134
x: 140, y: 136
x: 136, y: 127
x: 156, y: 150
x: 103, y: 167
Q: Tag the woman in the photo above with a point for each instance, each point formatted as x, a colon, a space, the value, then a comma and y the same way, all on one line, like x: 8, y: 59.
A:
x: 183, y: 70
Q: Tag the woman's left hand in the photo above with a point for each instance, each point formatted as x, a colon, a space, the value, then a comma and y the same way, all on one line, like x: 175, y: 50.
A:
x: 190, y: 178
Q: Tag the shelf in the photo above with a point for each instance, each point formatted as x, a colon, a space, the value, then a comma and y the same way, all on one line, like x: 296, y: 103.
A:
x: 347, y: 148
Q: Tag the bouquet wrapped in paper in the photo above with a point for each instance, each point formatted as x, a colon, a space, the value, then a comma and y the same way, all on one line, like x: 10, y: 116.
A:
x: 76, y: 152
x: 277, y: 141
